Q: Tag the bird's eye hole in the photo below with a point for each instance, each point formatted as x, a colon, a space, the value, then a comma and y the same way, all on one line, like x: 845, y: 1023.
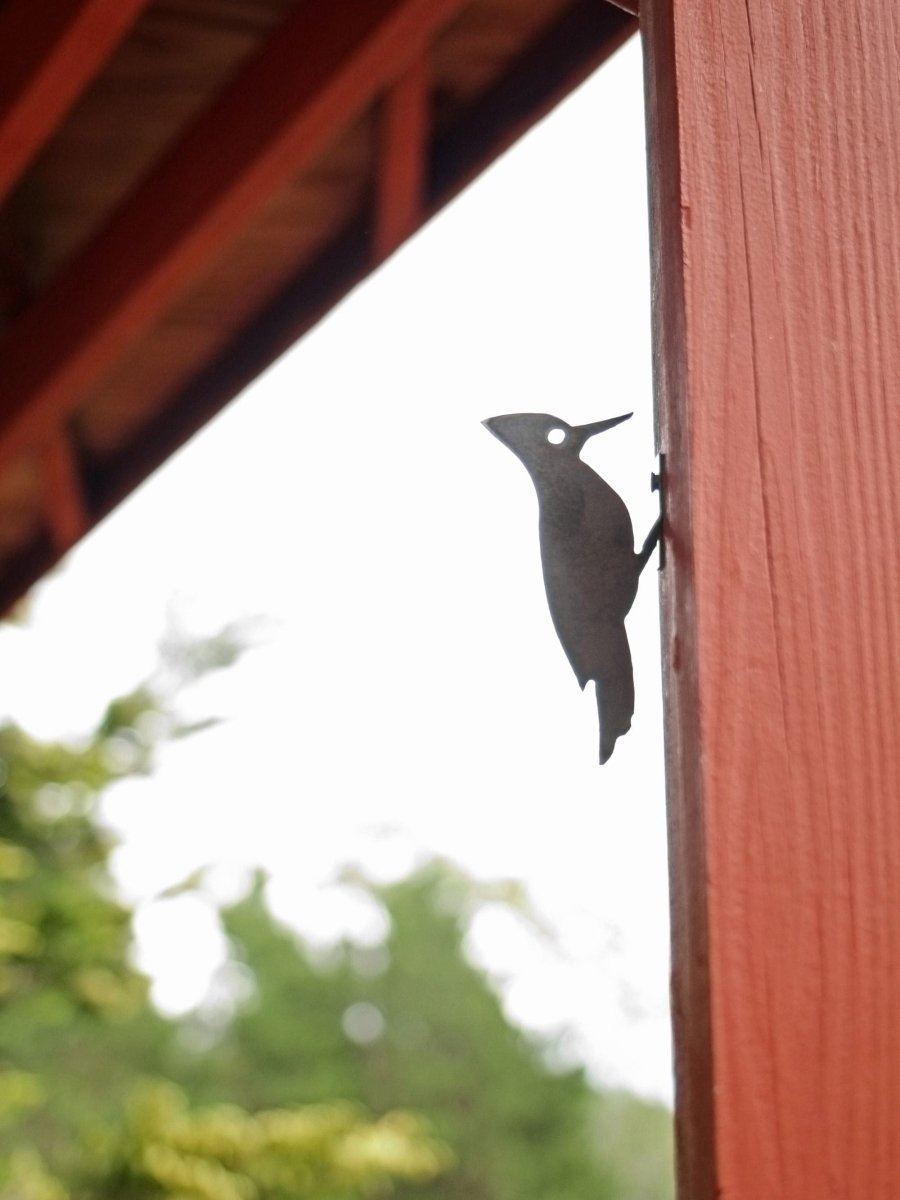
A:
x: 556, y: 437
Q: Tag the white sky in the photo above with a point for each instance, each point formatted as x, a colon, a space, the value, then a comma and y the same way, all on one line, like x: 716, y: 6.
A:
x: 408, y: 695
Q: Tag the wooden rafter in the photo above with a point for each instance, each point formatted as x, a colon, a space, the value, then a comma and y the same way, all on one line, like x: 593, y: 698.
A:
x: 319, y: 70
x: 402, y: 165
x: 568, y: 51
x: 49, y: 51
x: 574, y: 45
x: 65, y: 511
x: 582, y: 38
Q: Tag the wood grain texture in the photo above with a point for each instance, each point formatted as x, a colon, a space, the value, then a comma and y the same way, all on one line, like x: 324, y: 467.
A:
x: 66, y: 516
x: 690, y: 982
x: 49, y: 51
x: 464, y: 140
x: 316, y: 74
x: 405, y: 135
x: 775, y: 182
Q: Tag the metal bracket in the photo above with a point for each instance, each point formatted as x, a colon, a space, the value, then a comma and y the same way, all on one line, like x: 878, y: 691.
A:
x: 657, y: 484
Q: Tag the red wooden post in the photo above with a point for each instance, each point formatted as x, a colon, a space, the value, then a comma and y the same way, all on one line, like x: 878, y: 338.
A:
x: 775, y: 182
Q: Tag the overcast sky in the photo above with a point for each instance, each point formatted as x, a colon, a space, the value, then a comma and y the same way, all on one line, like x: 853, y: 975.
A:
x: 407, y: 695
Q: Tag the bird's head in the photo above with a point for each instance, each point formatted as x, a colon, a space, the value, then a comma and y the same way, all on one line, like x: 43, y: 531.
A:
x: 538, y: 438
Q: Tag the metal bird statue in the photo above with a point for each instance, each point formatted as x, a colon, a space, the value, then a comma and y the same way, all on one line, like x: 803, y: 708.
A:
x: 590, y: 566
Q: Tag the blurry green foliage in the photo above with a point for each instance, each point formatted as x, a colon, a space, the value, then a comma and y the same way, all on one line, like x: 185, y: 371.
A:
x: 638, y: 1136
x: 76, y: 1029
x: 413, y: 1023
x: 326, y: 1152
x: 270, y: 1100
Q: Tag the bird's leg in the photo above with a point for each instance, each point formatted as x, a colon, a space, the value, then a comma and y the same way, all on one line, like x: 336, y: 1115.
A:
x: 654, y: 537
x: 650, y: 543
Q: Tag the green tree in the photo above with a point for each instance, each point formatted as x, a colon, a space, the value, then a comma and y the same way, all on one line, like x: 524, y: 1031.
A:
x: 76, y: 1029
x: 414, y: 1023
x: 103, y: 1099
x: 638, y: 1137
x: 321, y: 1152
x: 69, y: 996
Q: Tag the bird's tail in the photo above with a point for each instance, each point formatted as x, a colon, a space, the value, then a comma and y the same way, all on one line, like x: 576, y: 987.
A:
x: 615, y: 690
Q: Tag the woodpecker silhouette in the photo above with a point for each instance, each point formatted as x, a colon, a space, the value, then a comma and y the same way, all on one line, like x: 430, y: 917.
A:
x: 590, y: 566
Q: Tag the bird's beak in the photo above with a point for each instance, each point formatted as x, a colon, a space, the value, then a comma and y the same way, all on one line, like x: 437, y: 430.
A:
x: 583, y: 432
x: 588, y: 431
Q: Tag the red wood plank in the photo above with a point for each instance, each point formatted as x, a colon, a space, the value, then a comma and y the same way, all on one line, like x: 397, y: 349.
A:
x: 49, y: 52
x: 401, y: 176
x: 64, y: 505
x: 775, y: 172
x: 322, y: 68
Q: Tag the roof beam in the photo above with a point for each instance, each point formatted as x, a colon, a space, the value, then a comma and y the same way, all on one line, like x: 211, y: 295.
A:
x: 65, y: 509
x: 401, y: 170
x: 316, y: 74
x: 584, y: 36
x: 49, y: 51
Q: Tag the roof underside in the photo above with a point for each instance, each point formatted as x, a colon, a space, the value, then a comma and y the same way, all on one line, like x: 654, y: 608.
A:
x: 188, y: 185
